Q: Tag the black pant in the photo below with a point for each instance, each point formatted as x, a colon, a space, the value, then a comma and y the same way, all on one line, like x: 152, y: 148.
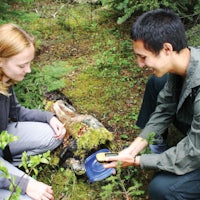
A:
x: 153, y: 87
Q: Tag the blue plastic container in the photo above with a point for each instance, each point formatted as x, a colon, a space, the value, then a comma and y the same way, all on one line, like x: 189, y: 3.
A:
x: 95, y: 170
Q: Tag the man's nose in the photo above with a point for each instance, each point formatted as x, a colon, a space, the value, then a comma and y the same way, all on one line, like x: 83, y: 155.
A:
x: 140, y: 62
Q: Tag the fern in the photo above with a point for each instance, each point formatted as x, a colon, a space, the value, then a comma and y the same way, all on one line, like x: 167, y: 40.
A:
x: 125, y: 8
x: 30, y: 92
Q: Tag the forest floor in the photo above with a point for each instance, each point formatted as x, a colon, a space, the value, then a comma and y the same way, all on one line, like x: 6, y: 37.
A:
x: 106, y: 83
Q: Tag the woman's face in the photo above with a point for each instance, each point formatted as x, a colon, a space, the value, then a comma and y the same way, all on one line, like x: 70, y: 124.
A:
x: 16, y: 67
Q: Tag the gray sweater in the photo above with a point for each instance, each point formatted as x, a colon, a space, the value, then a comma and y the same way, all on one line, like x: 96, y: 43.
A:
x: 11, y: 110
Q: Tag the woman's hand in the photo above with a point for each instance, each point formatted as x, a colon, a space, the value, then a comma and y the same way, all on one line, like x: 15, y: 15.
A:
x: 39, y: 191
x: 58, y: 128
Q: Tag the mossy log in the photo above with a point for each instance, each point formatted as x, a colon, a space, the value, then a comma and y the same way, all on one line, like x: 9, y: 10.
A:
x: 84, y: 134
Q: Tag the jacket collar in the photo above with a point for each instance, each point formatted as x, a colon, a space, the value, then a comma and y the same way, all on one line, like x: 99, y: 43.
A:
x: 192, y: 78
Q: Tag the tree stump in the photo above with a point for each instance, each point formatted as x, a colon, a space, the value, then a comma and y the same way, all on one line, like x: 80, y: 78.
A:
x: 84, y: 135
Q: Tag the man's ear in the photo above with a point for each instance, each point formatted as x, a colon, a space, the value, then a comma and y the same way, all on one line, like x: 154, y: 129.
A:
x: 167, y: 47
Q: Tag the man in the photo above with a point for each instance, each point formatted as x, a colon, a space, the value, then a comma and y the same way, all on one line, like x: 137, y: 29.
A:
x: 160, y: 44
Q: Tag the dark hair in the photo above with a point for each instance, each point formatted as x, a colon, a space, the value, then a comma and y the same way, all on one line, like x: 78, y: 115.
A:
x: 156, y: 27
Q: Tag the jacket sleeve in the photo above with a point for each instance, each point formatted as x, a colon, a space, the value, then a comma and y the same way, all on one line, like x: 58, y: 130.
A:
x: 184, y: 157
x: 20, y: 113
x: 19, y: 177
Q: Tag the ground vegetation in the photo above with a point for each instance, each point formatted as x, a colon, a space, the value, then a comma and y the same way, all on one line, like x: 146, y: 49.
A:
x: 84, y: 56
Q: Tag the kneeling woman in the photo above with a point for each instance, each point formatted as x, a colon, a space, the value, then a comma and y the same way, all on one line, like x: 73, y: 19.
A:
x: 37, y: 131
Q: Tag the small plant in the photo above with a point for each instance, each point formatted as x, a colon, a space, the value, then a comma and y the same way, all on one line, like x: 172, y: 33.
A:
x: 125, y: 186
x: 5, y: 139
x: 116, y: 187
x: 41, y: 81
x: 30, y: 164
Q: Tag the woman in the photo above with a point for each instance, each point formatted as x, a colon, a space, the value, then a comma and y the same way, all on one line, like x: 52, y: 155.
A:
x: 37, y: 131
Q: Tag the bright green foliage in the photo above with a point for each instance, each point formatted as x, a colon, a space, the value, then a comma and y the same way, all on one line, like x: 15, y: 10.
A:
x: 67, y: 186
x: 150, y: 139
x: 15, y: 190
x: 126, y: 8
x: 4, y: 171
x: 30, y: 163
x: 7, y: 13
x: 89, y: 138
x: 47, y: 79
x: 116, y: 187
x: 6, y: 138
x: 92, y: 139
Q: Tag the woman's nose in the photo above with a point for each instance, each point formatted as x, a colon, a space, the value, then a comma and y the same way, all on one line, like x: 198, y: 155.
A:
x: 28, y: 68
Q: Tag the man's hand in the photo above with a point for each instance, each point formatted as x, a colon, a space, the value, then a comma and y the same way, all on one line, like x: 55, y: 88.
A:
x: 39, y: 191
x: 58, y: 128
x: 125, y: 157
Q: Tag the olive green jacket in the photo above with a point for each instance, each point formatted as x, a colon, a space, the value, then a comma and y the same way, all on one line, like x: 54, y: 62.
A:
x: 177, y: 99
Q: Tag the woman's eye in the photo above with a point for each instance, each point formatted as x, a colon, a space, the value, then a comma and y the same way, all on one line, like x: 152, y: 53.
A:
x: 22, y: 66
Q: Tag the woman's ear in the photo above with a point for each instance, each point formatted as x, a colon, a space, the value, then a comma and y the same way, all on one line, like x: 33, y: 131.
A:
x: 167, y: 47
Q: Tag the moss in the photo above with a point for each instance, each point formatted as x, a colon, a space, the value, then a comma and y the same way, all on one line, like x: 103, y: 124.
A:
x: 77, y: 129
x: 104, y: 93
x: 92, y: 139
x: 88, y: 138
x: 68, y: 187
x: 65, y: 183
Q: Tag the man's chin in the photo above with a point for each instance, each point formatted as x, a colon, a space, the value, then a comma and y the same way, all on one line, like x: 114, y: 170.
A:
x: 159, y: 74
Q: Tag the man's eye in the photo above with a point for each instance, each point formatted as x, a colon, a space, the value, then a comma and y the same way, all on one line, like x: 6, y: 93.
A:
x: 143, y: 57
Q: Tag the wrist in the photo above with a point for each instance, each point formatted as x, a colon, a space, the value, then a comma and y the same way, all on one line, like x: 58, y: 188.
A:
x: 136, y: 160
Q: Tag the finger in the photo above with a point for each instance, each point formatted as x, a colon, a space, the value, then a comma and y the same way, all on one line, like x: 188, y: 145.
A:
x: 114, y: 172
x: 112, y: 158
x: 63, y: 131
x: 49, y: 194
x: 59, y: 132
x: 59, y: 137
x: 110, y: 165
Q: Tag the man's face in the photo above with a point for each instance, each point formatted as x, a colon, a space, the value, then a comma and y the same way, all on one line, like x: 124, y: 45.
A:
x: 16, y: 67
x: 159, y: 64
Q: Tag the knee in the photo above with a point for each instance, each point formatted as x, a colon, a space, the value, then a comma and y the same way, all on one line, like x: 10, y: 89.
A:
x: 157, y: 191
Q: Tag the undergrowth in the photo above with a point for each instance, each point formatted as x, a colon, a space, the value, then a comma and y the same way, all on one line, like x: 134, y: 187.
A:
x: 84, y: 54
